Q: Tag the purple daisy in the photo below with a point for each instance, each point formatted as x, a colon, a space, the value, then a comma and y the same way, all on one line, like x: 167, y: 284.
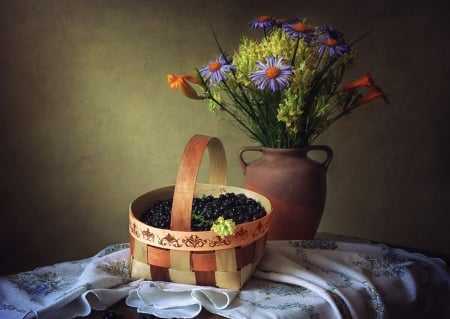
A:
x: 297, y: 29
x: 273, y: 74
x: 333, y: 40
x: 215, y: 71
x: 263, y: 22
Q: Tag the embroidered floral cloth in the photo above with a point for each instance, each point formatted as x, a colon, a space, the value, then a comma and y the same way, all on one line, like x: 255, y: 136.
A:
x: 301, y: 279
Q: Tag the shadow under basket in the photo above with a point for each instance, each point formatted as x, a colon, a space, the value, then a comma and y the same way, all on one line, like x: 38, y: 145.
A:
x: 196, y: 257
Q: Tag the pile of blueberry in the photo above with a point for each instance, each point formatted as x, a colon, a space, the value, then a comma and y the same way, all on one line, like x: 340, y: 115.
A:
x: 206, y: 209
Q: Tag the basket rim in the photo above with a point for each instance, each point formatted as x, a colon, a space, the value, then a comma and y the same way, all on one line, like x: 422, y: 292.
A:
x: 246, y: 233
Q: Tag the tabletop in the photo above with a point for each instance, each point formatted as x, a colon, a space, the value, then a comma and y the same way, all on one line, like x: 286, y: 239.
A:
x: 122, y: 310
x: 125, y: 312
x: 328, y: 277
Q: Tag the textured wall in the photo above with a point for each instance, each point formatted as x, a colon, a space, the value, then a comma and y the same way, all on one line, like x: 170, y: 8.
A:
x: 88, y: 122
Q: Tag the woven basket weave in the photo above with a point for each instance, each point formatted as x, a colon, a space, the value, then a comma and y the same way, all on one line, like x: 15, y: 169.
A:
x: 196, y: 257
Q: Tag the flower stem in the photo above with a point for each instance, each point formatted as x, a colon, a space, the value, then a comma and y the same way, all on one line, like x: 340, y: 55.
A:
x: 294, y: 54
x: 227, y: 110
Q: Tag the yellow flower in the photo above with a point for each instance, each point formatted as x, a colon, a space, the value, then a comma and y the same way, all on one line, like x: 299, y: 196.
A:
x: 223, y: 227
x: 306, y: 105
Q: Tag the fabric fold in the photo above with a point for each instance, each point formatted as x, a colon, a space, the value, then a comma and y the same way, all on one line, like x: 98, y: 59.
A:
x: 214, y: 298
x: 143, y: 302
x: 67, y: 289
x: 170, y: 300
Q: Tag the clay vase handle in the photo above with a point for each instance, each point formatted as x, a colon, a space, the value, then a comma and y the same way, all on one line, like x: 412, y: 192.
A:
x: 187, y: 177
x: 242, y: 161
x: 329, y: 154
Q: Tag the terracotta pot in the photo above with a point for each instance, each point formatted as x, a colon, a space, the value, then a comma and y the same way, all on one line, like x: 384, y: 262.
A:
x: 294, y: 183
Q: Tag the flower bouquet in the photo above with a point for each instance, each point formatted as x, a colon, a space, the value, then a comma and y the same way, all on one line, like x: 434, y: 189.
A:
x: 284, y: 89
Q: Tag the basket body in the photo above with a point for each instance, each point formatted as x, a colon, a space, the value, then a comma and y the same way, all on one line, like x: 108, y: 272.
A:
x: 201, y: 257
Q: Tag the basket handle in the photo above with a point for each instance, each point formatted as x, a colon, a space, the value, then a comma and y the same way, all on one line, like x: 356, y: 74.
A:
x: 187, y: 177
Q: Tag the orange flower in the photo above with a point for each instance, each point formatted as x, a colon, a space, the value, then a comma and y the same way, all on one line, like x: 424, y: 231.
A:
x: 181, y: 82
x: 365, y: 80
x: 372, y: 95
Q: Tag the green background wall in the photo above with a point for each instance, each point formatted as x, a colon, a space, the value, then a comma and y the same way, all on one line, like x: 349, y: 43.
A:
x: 88, y: 121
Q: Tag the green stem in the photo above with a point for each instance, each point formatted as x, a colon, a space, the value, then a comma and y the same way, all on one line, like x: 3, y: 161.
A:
x: 198, y: 216
x: 295, y: 51
x: 227, y: 110
x: 240, y: 87
x: 246, y: 107
x: 360, y: 37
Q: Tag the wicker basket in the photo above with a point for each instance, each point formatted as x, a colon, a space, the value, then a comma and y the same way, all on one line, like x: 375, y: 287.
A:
x: 196, y: 257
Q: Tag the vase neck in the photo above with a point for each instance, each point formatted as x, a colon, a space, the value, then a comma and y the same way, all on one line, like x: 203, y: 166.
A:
x: 295, y: 151
x: 319, y: 153
x: 274, y: 154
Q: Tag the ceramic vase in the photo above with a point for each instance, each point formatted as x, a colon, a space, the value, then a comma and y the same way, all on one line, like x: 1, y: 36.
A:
x: 294, y: 183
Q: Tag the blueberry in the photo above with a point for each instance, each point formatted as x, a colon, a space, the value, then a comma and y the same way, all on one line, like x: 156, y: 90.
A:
x: 206, y: 209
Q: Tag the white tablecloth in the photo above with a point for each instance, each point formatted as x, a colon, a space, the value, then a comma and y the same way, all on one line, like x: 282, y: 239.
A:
x: 300, y: 279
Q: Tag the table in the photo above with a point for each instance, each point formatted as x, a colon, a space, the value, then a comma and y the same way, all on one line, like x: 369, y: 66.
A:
x: 131, y: 313
x: 328, y: 277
